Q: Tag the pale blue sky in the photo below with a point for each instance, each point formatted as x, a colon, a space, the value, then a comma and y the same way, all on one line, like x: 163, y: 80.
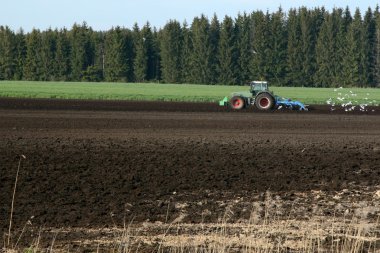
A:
x: 102, y: 15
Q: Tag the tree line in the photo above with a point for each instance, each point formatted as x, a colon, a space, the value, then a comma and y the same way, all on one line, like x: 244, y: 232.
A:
x: 303, y: 47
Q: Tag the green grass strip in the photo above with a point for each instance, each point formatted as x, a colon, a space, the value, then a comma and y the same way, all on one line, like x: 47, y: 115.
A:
x: 175, y: 92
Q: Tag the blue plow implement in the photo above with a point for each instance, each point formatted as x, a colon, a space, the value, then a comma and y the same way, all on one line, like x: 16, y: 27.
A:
x: 290, y: 104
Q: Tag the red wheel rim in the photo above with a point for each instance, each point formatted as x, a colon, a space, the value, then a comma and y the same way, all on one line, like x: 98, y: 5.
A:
x: 264, y: 102
x: 236, y: 103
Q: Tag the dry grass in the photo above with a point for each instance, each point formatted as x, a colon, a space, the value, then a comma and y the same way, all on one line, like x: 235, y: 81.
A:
x: 255, y: 236
x: 273, y: 236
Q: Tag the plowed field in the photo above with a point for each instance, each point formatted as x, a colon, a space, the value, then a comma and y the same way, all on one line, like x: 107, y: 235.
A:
x: 100, y: 164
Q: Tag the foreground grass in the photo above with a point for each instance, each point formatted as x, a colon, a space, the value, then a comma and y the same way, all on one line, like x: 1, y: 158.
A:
x: 175, y: 92
x: 268, y: 235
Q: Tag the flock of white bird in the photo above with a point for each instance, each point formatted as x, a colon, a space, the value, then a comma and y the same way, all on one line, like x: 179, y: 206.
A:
x: 349, y: 101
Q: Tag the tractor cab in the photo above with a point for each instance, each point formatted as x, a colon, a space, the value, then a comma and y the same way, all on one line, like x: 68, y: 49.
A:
x: 258, y: 86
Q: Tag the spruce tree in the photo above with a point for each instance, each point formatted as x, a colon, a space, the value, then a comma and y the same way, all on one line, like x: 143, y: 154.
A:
x: 214, y: 43
x: 116, y: 56
x: 8, y: 53
x: 369, y: 47
x: 326, y: 51
x: 98, y: 41
x: 145, y: 61
x: 308, y: 39
x: 244, y: 44
x: 353, y: 67
x: 338, y: 42
x: 186, y: 54
x: 171, y: 44
x: 21, y: 54
x: 341, y: 77
x: 295, y: 49
x: 201, y: 57
x: 62, y: 56
x: 228, y: 53
x: 278, y: 48
x: 150, y: 51
x: 33, y: 62
x: 260, y: 41
x: 155, y: 61
x: 141, y: 57
x: 377, y: 47
x: 48, y: 52
x: 82, y: 51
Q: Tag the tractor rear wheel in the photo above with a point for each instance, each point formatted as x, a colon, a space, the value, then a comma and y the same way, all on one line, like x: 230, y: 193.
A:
x: 264, y: 101
x: 237, y: 103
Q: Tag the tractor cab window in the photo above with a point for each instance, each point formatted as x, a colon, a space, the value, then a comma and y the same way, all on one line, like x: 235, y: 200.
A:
x: 257, y: 86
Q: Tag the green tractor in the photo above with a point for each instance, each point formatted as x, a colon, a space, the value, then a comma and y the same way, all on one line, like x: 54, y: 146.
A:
x: 260, y: 97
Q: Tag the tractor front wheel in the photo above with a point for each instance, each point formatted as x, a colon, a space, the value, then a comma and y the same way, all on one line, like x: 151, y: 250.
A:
x: 237, y: 103
x: 264, y: 101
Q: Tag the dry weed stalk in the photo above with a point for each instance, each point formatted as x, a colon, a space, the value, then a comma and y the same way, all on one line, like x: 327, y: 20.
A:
x: 13, y: 200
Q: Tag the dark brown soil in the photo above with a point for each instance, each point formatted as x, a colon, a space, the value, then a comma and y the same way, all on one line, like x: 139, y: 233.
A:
x: 96, y: 164
x: 111, y: 105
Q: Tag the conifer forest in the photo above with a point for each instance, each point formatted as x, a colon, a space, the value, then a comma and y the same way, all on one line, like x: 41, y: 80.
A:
x: 300, y: 47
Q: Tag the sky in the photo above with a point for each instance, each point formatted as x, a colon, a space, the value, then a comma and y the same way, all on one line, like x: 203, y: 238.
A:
x: 105, y: 14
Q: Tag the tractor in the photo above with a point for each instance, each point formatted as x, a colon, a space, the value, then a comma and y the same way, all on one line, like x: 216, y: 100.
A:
x: 260, y: 97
